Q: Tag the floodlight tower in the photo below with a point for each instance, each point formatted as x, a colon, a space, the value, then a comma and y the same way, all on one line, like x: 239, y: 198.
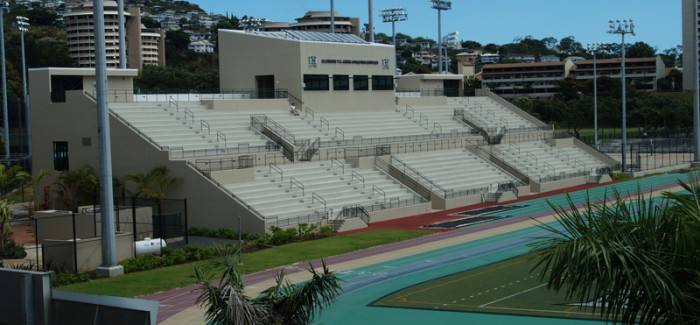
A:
x: 626, y: 26
x: 253, y: 24
x: 451, y: 37
x: 4, y: 7
x: 593, y: 48
x: 393, y: 15
x: 22, y: 24
x: 440, y: 5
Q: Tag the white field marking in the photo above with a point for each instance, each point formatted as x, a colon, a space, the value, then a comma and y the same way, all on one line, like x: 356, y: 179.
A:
x: 513, y: 295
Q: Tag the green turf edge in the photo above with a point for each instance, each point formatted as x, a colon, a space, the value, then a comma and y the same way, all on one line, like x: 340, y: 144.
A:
x: 167, y: 278
x: 374, y: 304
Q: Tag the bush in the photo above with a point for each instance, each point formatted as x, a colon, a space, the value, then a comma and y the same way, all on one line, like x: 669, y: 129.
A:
x: 12, y: 250
x: 176, y: 257
x: 66, y: 277
x: 194, y: 252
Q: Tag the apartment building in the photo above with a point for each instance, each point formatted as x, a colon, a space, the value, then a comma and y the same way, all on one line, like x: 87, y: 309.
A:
x: 534, y: 80
x: 318, y: 21
x: 642, y: 73
x: 143, y: 46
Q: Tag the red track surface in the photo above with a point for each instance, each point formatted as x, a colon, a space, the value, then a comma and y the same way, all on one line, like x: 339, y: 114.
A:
x: 418, y: 221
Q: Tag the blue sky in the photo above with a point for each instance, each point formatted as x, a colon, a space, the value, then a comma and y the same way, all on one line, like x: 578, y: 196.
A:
x: 496, y: 21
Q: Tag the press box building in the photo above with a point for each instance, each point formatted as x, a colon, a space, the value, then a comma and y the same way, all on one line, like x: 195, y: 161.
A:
x: 322, y: 71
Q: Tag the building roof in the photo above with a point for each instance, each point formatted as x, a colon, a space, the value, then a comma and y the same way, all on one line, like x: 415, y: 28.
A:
x: 522, y: 65
x: 619, y: 60
x: 298, y: 35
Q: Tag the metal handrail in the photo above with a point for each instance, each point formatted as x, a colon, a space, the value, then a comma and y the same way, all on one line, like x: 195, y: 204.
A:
x: 295, y: 182
x: 277, y: 169
x: 529, y: 155
x: 563, y: 152
x: 422, y: 117
x: 546, y: 165
x: 339, y: 130
x: 307, y: 111
x: 323, y: 120
x: 358, y: 176
x: 189, y: 113
x: 203, y: 124
x: 409, y: 108
x: 171, y: 100
x: 436, y: 126
x: 340, y: 164
x: 220, y: 135
x: 316, y: 197
x: 376, y: 189
x: 514, y: 146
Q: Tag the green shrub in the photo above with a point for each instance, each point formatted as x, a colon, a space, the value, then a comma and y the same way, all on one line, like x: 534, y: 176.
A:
x: 12, y: 250
x: 226, y: 233
x: 66, y: 277
x: 175, y: 257
x: 165, y: 251
x: 197, y: 253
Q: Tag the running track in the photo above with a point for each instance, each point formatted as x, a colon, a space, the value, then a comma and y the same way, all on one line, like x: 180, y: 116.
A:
x: 365, y: 285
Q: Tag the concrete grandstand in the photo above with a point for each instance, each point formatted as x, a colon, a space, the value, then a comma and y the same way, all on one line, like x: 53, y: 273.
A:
x: 241, y: 153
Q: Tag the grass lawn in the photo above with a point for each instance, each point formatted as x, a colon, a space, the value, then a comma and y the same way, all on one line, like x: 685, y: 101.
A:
x: 505, y: 287
x: 167, y: 278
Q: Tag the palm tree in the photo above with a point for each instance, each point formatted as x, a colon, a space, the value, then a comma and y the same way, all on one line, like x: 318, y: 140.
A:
x: 76, y: 187
x: 8, y: 177
x: 637, y: 259
x: 285, y: 303
x: 152, y: 184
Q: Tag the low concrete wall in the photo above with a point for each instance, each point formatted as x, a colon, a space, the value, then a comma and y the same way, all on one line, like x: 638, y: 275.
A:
x: 60, y: 253
x: 462, y: 201
x: 362, y: 162
x: 536, y: 187
x: 390, y: 214
x: 561, y: 143
x: 247, y: 104
x: 352, y: 224
x: 234, y: 175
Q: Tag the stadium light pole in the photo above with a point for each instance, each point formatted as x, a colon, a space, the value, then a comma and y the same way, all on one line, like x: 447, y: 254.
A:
x: 22, y: 24
x: 109, y: 266
x: 451, y: 37
x: 4, y: 7
x: 370, y: 26
x: 626, y: 26
x: 393, y: 15
x: 593, y: 49
x: 696, y: 88
x: 332, y: 19
x: 440, y: 5
x: 122, y: 37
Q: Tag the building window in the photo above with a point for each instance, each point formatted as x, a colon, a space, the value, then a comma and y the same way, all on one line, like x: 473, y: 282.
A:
x: 60, y: 155
x: 385, y: 63
x: 315, y: 82
x: 360, y: 83
x: 312, y: 61
x: 341, y: 82
x: 382, y: 82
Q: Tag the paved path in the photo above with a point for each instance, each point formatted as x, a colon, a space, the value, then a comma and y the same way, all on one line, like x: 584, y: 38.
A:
x: 177, y: 306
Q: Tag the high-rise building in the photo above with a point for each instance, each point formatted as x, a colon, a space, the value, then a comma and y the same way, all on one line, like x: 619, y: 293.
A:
x: 689, y: 65
x: 143, y: 46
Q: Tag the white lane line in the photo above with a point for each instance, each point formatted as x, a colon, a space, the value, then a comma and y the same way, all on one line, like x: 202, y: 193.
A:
x: 513, y: 295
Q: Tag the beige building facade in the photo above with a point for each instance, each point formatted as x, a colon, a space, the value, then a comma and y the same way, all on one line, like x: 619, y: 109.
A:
x: 143, y: 46
x: 321, y: 71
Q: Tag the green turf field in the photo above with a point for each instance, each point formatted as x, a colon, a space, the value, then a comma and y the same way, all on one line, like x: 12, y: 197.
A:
x: 506, y: 287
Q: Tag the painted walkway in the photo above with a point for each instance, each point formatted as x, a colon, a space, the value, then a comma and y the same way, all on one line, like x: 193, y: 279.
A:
x: 375, y: 272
